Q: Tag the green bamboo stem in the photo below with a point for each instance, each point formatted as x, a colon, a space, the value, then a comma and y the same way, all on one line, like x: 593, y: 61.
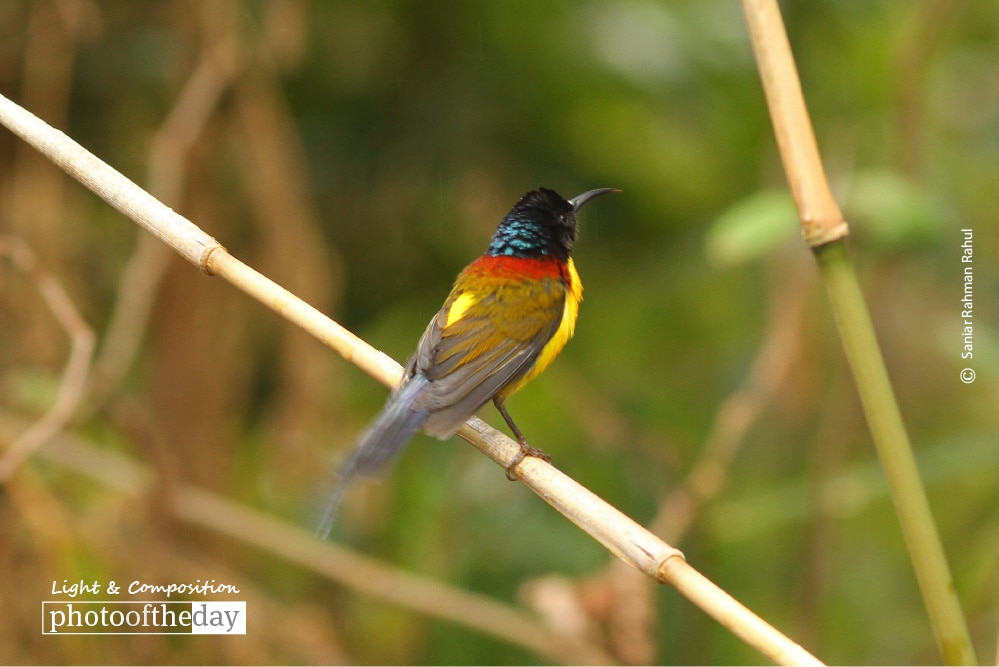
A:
x: 824, y: 229
x: 892, y: 442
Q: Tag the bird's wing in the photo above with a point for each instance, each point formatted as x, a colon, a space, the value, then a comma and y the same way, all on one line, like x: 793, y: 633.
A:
x: 480, y: 342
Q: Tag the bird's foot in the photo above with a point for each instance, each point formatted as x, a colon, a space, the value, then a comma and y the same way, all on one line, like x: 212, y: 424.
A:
x: 525, y: 451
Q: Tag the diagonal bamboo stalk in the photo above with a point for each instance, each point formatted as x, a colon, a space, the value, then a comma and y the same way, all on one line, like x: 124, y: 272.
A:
x: 824, y: 230
x: 621, y: 535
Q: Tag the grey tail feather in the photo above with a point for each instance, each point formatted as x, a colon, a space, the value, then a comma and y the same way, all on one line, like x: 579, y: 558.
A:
x: 383, y: 441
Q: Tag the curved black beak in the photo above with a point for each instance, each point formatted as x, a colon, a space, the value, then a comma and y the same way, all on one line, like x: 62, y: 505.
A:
x: 578, y: 201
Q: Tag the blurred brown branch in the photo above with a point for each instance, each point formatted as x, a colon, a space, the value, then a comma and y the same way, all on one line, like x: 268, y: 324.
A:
x: 362, y: 574
x: 166, y: 176
x: 74, y: 376
x: 739, y: 411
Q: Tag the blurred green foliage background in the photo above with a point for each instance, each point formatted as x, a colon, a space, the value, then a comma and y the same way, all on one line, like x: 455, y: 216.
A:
x: 360, y: 154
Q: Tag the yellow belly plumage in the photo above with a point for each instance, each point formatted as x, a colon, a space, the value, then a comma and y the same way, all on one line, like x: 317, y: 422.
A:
x: 573, y: 295
x: 520, y: 318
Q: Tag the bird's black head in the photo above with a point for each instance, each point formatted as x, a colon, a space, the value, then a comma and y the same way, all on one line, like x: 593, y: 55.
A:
x: 541, y: 224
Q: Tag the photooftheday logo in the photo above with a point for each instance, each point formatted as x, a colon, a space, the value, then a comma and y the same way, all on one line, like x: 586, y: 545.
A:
x: 144, y: 618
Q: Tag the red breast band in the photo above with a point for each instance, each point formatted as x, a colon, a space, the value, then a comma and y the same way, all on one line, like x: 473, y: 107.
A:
x: 524, y: 268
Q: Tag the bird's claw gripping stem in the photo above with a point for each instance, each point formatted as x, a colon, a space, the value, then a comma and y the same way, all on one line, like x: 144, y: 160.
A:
x: 525, y: 451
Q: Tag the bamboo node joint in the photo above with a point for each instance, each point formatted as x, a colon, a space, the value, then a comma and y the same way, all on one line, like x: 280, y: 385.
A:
x: 206, y: 256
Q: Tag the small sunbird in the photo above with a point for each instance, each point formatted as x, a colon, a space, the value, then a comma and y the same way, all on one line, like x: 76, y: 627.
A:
x: 509, y: 314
